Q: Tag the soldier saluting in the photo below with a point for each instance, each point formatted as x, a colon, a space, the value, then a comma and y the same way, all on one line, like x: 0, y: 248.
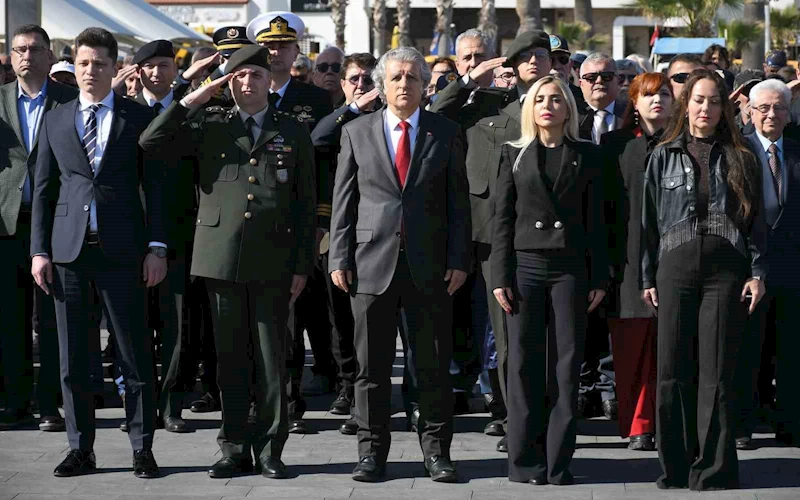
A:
x: 254, y: 245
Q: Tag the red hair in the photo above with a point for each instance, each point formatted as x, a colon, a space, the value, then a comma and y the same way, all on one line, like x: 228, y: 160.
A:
x: 644, y: 84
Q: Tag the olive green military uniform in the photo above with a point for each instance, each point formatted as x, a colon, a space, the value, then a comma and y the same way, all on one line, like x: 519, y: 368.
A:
x: 254, y: 231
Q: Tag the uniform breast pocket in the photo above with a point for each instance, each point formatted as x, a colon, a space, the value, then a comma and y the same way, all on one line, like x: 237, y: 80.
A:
x: 279, y: 169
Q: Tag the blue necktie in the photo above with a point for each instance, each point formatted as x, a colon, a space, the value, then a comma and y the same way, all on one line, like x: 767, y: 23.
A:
x: 90, y: 135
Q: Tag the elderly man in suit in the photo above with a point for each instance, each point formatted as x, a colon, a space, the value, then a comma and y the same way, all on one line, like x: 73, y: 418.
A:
x: 779, y: 158
x: 89, y: 229
x: 400, y: 236
x: 23, y: 103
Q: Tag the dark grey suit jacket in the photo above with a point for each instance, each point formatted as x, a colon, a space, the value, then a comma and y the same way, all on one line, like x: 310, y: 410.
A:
x: 15, y: 162
x: 369, y: 206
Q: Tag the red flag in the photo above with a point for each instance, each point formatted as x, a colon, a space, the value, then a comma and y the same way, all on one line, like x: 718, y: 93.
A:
x: 655, y: 36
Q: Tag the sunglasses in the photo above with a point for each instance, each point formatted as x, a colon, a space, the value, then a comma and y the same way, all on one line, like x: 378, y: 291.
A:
x: 541, y: 55
x: 562, y: 59
x: 323, y: 67
x: 364, y: 78
x: 679, y: 77
x: 606, y: 76
x: 624, y: 78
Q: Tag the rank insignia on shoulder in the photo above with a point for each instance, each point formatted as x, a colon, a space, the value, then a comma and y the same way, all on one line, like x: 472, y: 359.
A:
x: 307, y: 108
x: 215, y: 109
x: 297, y: 108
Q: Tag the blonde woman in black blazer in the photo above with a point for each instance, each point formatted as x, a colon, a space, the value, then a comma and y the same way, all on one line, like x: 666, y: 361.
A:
x: 550, y: 269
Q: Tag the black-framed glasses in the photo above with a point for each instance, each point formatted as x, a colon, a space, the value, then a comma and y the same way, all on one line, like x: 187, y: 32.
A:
x: 506, y: 76
x: 364, y: 78
x: 35, y: 49
x: 606, y: 76
x: 628, y: 78
x: 324, y: 67
x: 562, y: 59
x: 764, y: 108
x: 540, y: 54
x: 680, y: 77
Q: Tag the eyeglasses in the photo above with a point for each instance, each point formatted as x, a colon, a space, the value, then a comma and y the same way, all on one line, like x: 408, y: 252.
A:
x: 540, y: 54
x: 679, y: 77
x: 323, y: 67
x: 505, y: 76
x: 624, y: 78
x: 35, y: 49
x: 562, y: 59
x: 764, y: 108
x: 606, y: 76
x: 364, y: 78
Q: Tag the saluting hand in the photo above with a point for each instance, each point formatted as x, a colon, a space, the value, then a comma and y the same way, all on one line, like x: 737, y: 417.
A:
x: 298, y: 283
x: 342, y: 279
x: 366, y: 101
x: 201, y: 96
x: 504, y: 297
x: 198, y: 67
x: 118, y: 82
x: 486, y: 66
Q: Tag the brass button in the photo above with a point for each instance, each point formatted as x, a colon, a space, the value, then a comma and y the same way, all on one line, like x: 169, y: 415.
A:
x: 251, y: 179
x: 539, y: 224
x: 558, y: 224
x: 250, y: 197
x: 280, y: 162
x: 247, y: 215
x: 491, y: 124
x: 289, y: 230
x: 280, y: 157
x: 222, y: 155
x: 253, y: 161
x: 199, y: 221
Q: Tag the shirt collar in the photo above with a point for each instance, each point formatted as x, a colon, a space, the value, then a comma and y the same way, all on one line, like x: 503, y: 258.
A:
x: 393, y: 121
x: 282, y: 91
x: 107, y: 102
x: 42, y: 92
x: 258, y: 117
x: 609, y: 108
x: 151, y: 100
x: 766, y: 143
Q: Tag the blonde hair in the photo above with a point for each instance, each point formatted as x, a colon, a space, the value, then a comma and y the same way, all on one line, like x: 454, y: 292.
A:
x: 530, y: 131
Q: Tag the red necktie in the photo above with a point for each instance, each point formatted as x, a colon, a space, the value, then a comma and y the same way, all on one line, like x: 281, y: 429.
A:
x: 403, y: 154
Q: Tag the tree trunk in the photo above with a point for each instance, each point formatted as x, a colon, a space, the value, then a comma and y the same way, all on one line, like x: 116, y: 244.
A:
x: 338, y: 9
x: 404, y: 22
x: 444, y: 18
x: 583, y: 13
x: 379, y: 27
x: 753, y: 54
x: 487, y: 22
x: 530, y: 15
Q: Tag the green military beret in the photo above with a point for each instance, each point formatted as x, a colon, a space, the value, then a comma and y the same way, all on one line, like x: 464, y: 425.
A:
x: 533, y: 39
x: 254, y: 55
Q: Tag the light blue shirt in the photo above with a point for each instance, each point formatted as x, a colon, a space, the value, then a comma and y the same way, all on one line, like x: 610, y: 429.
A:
x: 771, y: 204
x: 30, y: 110
x: 281, y: 92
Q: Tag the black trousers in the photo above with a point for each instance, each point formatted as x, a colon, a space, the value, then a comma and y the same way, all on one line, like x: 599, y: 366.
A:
x: 700, y: 326
x: 201, y: 346
x: 122, y: 292
x: 428, y: 317
x: 787, y: 345
x: 251, y: 318
x: 755, y: 363
x: 546, y: 333
x: 340, y: 317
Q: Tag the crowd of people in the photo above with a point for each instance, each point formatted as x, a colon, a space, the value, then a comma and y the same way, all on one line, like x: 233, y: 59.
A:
x: 578, y: 236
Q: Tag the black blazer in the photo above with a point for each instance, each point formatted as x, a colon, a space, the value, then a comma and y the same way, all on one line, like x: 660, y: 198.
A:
x: 65, y: 187
x: 309, y: 102
x: 529, y: 216
x: 586, y: 122
x: 370, y: 207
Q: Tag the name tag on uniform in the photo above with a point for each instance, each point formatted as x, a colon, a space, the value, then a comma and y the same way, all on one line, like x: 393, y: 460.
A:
x: 283, y: 175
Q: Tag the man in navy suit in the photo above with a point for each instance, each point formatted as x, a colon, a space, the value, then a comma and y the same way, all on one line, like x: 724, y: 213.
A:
x: 779, y: 158
x: 89, y: 222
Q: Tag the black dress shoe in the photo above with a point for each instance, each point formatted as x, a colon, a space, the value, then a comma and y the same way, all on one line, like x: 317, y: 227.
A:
x: 566, y: 479
x: 206, y: 404
x: 538, y: 481
x: 52, y: 424
x: 413, y: 421
x: 494, y: 428
x: 369, y: 470
x: 349, y: 427
x: 229, y: 467
x: 77, y: 463
x: 441, y: 469
x: 744, y: 443
x: 144, y: 464
x: 610, y: 409
x: 297, y: 426
x: 342, y: 404
x: 502, y: 445
x: 273, y: 468
x: 642, y: 442
x: 176, y: 425
x: 461, y: 403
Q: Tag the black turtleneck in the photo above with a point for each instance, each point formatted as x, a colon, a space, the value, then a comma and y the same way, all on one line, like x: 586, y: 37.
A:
x: 550, y: 163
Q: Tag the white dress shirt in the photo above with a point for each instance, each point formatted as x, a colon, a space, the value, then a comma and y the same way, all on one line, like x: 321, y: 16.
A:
x: 281, y: 92
x: 151, y: 100
x: 771, y: 204
x: 258, y: 118
x: 609, y: 121
x: 104, y: 116
x: 393, y: 132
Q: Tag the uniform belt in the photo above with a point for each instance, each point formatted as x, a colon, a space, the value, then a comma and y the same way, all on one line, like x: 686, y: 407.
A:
x: 91, y: 239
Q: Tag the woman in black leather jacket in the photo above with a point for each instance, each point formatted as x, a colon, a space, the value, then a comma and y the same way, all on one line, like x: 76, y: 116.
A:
x: 703, y: 252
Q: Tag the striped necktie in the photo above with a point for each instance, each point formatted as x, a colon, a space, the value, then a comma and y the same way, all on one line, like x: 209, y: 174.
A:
x: 777, y: 174
x: 90, y: 135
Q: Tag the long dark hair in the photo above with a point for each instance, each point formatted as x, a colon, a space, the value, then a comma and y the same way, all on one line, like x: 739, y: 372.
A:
x: 742, y: 175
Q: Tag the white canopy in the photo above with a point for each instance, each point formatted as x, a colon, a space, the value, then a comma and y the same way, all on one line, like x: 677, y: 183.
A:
x: 151, y: 23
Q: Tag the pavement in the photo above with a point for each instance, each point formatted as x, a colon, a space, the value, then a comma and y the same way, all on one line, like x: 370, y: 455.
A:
x: 320, y: 465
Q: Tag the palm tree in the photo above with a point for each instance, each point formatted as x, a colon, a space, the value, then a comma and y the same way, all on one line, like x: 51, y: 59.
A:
x: 379, y: 27
x: 698, y: 15
x: 530, y: 15
x: 784, y: 24
x: 487, y: 22
x: 338, y: 9
x: 578, y: 36
x: 740, y: 34
x: 583, y: 14
x: 753, y: 52
x: 444, y: 18
x: 404, y: 22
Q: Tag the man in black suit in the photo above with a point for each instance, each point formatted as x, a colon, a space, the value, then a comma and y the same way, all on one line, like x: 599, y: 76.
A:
x: 400, y: 236
x: 88, y: 220
x: 279, y: 32
x: 23, y: 103
x: 774, y: 321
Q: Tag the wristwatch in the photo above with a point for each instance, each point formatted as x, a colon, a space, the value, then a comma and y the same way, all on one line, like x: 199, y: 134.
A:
x: 159, y: 252
x: 759, y: 278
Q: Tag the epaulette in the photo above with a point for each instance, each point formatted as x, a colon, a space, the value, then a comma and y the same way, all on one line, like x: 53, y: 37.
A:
x: 215, y: 109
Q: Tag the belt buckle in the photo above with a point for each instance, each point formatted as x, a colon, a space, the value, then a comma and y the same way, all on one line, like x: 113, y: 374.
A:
x: 92, y: 239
